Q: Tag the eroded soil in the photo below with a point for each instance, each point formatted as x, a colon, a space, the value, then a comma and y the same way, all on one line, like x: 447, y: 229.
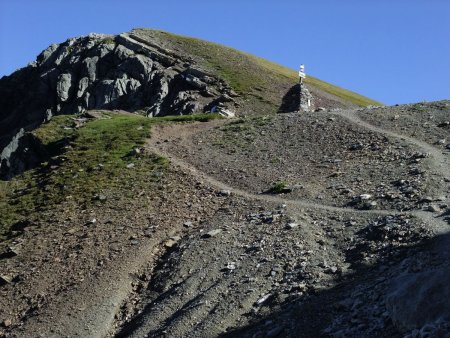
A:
x: 205, y: 252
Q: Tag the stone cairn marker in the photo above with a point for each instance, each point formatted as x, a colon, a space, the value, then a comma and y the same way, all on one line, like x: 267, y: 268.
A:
x: 305, y: 96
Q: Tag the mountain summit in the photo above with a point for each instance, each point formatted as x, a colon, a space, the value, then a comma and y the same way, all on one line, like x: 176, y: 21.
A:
x: 131, y: 207
x: 148, y: 72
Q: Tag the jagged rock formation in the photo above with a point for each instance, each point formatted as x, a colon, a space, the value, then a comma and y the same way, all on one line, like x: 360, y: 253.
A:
x: 104, y: 72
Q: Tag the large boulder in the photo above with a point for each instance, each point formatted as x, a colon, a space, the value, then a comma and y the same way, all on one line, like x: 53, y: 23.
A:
x: 417, y: 299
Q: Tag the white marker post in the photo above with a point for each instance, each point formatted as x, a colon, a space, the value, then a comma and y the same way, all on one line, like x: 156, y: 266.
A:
x: 301, y: 73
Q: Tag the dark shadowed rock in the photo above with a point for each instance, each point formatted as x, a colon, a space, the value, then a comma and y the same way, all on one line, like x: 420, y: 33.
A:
x: 419, y: 298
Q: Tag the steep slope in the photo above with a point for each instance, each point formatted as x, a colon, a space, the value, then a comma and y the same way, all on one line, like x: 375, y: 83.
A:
x: 262, y: 82
x: 156, y: 227
x: 148, y: 72
x: 330, y: 223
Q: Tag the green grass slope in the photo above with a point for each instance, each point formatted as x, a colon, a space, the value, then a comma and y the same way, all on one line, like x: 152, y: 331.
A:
x: 84, y: 162
x: 250, y: 76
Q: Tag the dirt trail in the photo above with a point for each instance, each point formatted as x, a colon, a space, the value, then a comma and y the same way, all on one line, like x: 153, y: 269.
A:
x: 104, y: 295
x: 153, y: 321
x: 438, y: 158
x: 261, y: 197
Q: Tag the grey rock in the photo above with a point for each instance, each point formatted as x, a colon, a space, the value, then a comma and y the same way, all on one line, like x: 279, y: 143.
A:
x: 105, y: 49
x: 82, y: 86
x: 107, y: 92
x: 170, y: 243
x: 90, y: 65
x: 416, y: 299
x: 138, y: 67
x: 6, y: 279
x: 433, y: 208
x: 10, y: 149
x: 225, y: 193
x: 212, y: 233
x: 63, y: 86
x: 123, y: 52
x: 195, y: 82
x: 100, y: 197
x: 47, y: 54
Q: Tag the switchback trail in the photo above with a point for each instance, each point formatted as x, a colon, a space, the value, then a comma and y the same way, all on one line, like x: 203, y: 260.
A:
x: 160, y: 134
x: 438, y: 159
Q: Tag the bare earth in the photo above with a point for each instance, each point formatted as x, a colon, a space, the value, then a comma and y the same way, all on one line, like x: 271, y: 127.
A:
x: 208, y: 252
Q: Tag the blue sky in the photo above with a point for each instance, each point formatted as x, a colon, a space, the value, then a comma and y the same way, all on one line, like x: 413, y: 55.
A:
x: 394, y: 51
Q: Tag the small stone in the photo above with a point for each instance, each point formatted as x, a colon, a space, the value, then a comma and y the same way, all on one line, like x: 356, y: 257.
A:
x: 433, y: 208
x: 187, y: 224
x: 7, y: 323
x: 365, y: 197
x: 5, y: 279
x: 333, y: 269
x: 212, y: 233
x: 225, y: 193
x: 135, y: 151
x: 263, y: 299
x: 170, y: 243
x: 100, y: 197
x: 356, y: 146
x: 371, y: 205
x: 130, y: 165
x: 302, y: 287
x: 231, y: 266
x: 292, y: 225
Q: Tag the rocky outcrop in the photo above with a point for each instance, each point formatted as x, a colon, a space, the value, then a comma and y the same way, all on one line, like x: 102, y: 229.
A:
x: 104, y: 72
x: 22, y: 153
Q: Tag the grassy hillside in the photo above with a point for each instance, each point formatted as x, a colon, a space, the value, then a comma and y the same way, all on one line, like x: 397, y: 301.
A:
x: 247, y: 74
x: 83, y: 163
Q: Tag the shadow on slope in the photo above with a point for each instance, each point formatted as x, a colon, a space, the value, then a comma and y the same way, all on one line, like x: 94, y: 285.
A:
x: 386, y: 299
x: 291, y: 100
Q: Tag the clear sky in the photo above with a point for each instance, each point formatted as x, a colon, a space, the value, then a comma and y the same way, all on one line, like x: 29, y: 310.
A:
x: 393, y: 51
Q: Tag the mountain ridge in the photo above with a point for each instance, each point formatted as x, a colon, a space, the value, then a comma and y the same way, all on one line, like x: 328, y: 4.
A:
x: 239, y: 216
x: 151, y: 73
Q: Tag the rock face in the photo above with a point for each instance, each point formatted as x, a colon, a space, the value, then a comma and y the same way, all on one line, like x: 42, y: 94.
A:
x: 104, y: 72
